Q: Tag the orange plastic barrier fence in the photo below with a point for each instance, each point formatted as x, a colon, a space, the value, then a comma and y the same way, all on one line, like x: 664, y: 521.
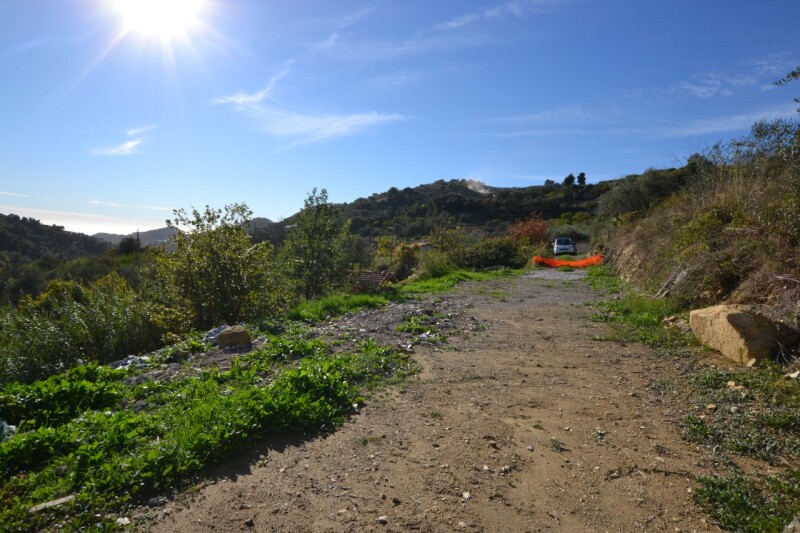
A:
x: 580, y: 263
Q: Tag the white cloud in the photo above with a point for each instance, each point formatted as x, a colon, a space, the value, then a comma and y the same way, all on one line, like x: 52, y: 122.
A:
x: 301, y: 128
x: 126, y: 148
x: 539, y: 133
x: 553, y: 115
x: 14, y: 194
x: 725, y: 124
x: 395, y: 80
x: 136, y: 132
x: 101, y: 202
x: 513, y: 8
x: 244, y: 100
x: 353, y: 18
x: 118, y: 205
x: 307, y: 128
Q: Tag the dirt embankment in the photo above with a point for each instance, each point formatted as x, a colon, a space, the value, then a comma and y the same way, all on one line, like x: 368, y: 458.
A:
x: 526, y: 421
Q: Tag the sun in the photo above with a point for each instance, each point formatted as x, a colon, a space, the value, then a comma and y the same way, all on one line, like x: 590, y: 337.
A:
x: 162, y: 19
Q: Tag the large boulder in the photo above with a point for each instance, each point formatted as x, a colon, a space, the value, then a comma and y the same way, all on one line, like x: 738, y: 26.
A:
x: 735, y: 331
x: 233, y: 336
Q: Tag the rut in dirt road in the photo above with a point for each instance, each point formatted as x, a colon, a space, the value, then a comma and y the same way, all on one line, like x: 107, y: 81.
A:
x: 529, y: 422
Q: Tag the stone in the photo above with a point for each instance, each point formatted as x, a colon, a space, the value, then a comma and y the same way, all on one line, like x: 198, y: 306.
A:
x: 676, y: 322
x: 793, y: 526
x: 233, y: 336
x: 52, y: 503
x: 735, y: 332
x: 383, y: 520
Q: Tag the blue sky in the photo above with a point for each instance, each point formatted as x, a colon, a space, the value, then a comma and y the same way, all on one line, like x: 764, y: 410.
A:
x: 110, y: 121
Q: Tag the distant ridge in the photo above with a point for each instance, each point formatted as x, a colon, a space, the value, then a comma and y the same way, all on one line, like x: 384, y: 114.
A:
x: 148, y: 238
x: 28, y: 239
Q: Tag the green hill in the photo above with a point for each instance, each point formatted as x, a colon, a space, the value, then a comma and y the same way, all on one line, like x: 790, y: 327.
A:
x: 27, y: 239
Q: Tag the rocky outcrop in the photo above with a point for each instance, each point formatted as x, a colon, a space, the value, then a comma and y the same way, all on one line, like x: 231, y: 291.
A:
x: 233, y: 336
x: 735, y: 331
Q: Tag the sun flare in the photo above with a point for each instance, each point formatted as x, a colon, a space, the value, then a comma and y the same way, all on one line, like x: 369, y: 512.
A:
x: 164, y: 19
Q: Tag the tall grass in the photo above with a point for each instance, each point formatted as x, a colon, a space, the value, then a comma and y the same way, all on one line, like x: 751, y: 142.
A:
x: 107, y: 321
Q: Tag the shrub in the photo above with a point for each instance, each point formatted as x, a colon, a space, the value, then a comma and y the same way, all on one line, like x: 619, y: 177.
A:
x: 213, y: 274
x: 316, y: 248
x: 532, y: 230
x: 496, y: 251
x: 434, y: 264
x: 69, y: 323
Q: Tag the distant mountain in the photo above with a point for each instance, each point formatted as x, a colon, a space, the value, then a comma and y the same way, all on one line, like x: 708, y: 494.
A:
x: 27, y: 239
x: 147, y: 238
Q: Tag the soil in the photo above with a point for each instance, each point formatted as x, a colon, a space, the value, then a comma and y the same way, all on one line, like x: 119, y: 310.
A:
x: 525, y: 420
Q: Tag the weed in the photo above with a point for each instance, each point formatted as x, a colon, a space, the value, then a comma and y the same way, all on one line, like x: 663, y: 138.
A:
x: 435, y: 415
x: 557, y: 446
x: 335, y: 305
x: 366, y: 440
x: 751, y: 504
x: 755, y: 415
x: 80, y: 425
x: 452, y: 279
x: 638, y: 319
x: 601, y: 278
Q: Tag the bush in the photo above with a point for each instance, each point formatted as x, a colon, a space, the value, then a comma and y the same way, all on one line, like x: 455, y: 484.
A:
x: 496, y: 251
x: 434, y: 264
x: 532, y: 230
x: 316, y: 248
x: 214, y: 275
x: 69, y: 324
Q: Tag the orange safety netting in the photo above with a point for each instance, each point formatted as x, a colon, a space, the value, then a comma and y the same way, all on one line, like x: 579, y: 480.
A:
x: 580, y: 263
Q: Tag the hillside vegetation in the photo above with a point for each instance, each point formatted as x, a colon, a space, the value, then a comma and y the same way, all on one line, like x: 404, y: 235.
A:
x: 415, y: 212
x: 725, y: 228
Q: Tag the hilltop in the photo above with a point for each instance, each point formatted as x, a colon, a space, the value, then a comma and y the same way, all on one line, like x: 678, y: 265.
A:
x: 26, y: 239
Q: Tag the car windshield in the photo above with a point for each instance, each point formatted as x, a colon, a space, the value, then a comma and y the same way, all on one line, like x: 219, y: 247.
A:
x: 563, y: 241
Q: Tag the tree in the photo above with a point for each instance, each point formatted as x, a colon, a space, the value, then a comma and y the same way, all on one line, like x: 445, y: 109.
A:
x: 130, y: 245
x: 569, y: 181
x: 315, y: 248
x: 793, y: 75
x: 581, y: 179
x: 213, y: 274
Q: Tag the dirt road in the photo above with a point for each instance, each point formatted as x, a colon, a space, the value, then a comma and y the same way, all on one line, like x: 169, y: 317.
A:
x: 528, y: 422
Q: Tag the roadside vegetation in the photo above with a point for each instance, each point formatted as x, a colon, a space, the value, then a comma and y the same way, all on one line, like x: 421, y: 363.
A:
x: 726, y: 227
x: 113, y: 438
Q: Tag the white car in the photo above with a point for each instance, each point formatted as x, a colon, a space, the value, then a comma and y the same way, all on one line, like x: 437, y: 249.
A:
x: 565, y: 245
